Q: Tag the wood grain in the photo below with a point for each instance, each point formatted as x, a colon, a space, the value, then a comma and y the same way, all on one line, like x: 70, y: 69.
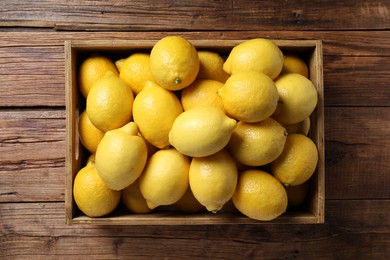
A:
x: 170, y: 15
x: 357, y: 152
x: 348, y: 223
x: 367, y: 76
x: 32, y: 148
x: 371, y: 246
x: 33, y: 72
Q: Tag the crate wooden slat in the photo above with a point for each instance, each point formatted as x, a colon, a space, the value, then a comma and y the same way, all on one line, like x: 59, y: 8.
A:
x: 313, y: 212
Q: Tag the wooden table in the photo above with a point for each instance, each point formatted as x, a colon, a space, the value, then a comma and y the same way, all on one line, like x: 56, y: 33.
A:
x: 356, y: 45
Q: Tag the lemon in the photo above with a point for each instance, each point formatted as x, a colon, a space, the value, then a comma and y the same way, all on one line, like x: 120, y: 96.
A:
x: 109, y: 103
x: 90, y: 136
x: 119, y: 64
x: 211, y: 66
x: 92, y: 69
x: 202, y: 93
x: 188, y: 203
x: 302, y: 127
x: 201, y: 131
x: 133, y: 200
x: 260, y: 196
x: 213, y: 179
x: 297, y: 162
x: 249, y: 96
x: 135, y: 71
x: 257, y: 144
x: 91, y: 194
x: 258, y: 54
x: 174, y: 62
x: 297, y: 98
x: 154, y: 111
x: 297, y: 194
x: 165, y: 178
x: 294, y: 64
x: 121, y: 156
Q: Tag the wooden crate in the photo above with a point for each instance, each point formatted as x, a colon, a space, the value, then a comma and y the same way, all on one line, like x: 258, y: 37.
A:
x: 75, y: 51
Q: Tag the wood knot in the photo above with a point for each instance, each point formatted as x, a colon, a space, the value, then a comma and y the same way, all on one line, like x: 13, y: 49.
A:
x: 298, y: 15
x: 117, y: 244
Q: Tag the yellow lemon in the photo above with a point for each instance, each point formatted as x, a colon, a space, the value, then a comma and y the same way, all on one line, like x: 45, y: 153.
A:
x: 258, y: 54
x: 188, y: 203
x: 133, y: 200
x: 135, y: 71
x: 201, y: 131
x: 211, y: 66
x: 249, y: 96
x: 202, y: 93
x: 90, y: 136
x: 110, y: 103
x: 297, y: 194
x: 92, y: 69
x: 154, y: 111
x: 260, y: 196
x: 213, y: 179
x: 174, y: 62
x: 297, y: 162
x: 297, y: 98
x: 257, y: 144
x: 119, y: 64
x: 91, y: 194
x: 302, y: 127
x: 294, y: 64
x: 165, y: 178
x: 121, y: 156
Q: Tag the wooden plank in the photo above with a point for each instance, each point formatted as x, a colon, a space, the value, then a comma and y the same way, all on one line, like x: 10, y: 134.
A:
x: 41, y: 182
x: 314, y: 15
x: 356, y: 81
x: 354, y: 229
x: 356, y: 165
x: 340, y: 43
x: 345, y: 246
x: 32, y: 148
x: 357, y: 152
x: 32, y: 76
x: 348, y: 79
x: 197, y: 15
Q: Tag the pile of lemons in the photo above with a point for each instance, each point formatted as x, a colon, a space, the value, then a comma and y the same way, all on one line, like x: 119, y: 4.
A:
x: 187, y: 128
